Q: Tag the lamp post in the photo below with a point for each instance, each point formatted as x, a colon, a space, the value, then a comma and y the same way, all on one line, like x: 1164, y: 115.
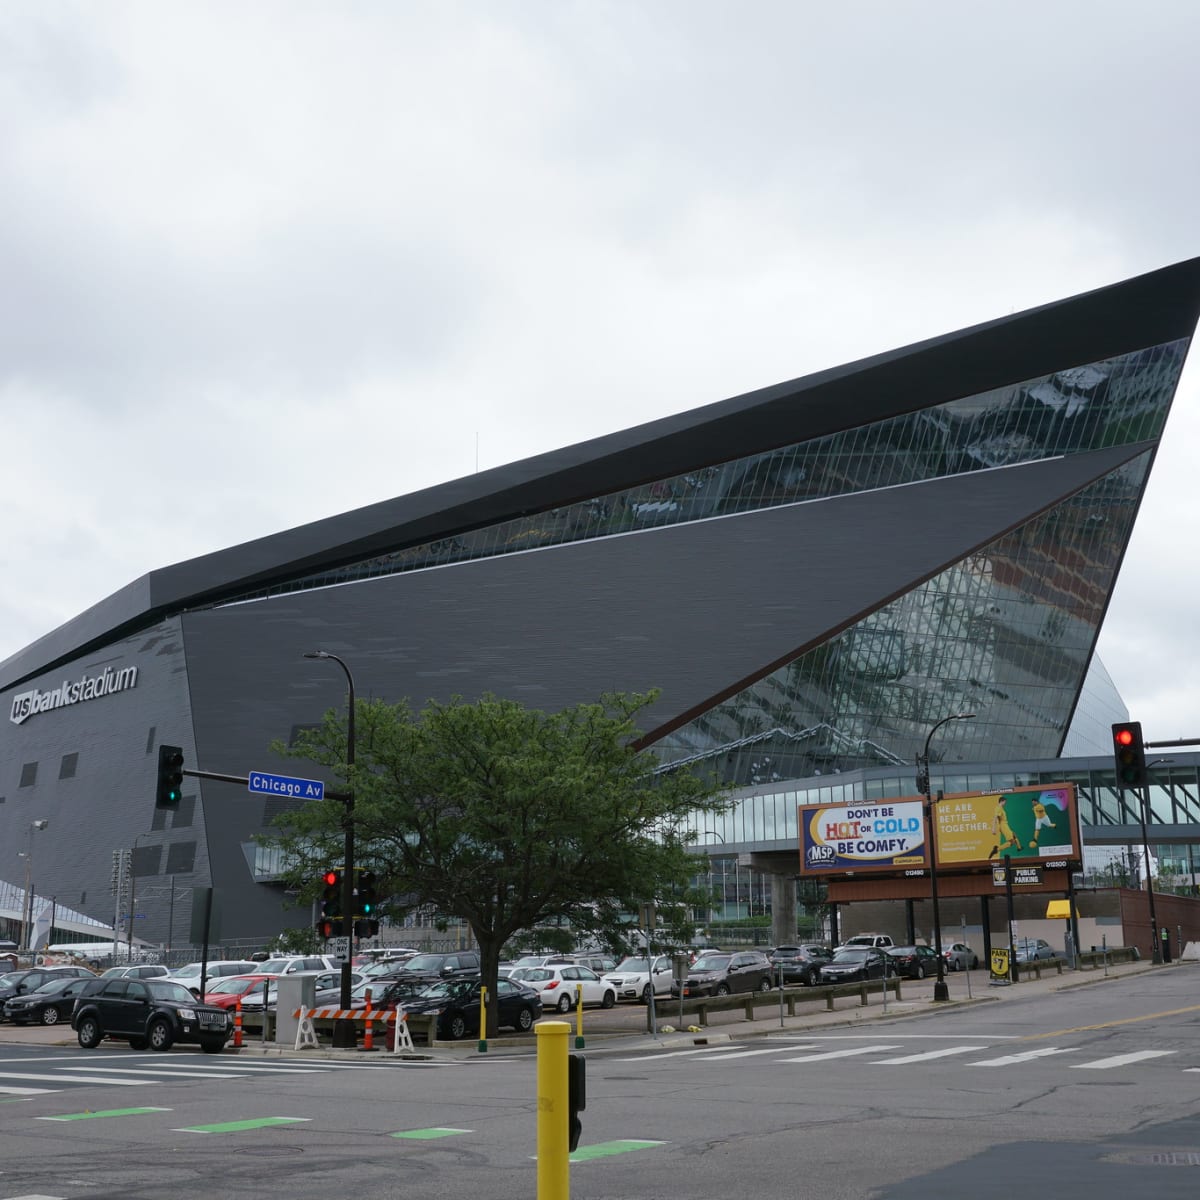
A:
x: 34, y: 827
x: 348, y: 856
x: 714, y: 833
x: 132, y: 893
x: 940, y: 991
x: 1143, y: 805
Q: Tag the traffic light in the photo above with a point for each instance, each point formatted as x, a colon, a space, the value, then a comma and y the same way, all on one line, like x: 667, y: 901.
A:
x: 364, y: 927
x: 170, y: 777
x: 331, y: 897
x: 365, y: 899
x: 1129, y: 755
x: 330, y: 927
x: 576, y: 1098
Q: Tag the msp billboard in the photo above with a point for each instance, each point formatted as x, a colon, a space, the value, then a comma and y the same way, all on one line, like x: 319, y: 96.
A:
x: 1029, y: 825
x: 882, y: 838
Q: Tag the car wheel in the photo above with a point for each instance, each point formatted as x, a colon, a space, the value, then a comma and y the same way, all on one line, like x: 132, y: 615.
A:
x: 525, y: 1019
x: 50, y: 1015
x: 722, y: 989
x: 212, y: 1045
x: 457, y: 1027
x: 159, y: 1036
x: 610, y: 998
x: 921, y: 965
x: 646, y: 994
x: 974, y: 963
x: 764, y: 984
x: 136, y: 1043
x: 90, y: 1033
x: 564, y: 1003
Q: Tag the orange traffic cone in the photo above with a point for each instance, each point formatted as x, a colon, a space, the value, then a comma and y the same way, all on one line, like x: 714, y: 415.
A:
x: 237, y: 1024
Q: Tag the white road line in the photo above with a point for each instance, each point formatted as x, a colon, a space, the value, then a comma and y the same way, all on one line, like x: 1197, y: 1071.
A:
x: 805, y: 1058
x: 107, y: 1073
x: 722, y: 1057
x: 1120, y: 1060
x: 945, y: 1052
x: 670, y: 1054
x: 24, y: 1091
x: 1008, y: 1060
x: 57, y: 1078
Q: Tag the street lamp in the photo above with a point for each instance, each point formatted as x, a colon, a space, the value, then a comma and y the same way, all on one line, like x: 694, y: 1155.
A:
x: 348, y: 863
x: 714, y: 833
x: 34, y: 827
x: 940, y: 990
x: 131, y: 915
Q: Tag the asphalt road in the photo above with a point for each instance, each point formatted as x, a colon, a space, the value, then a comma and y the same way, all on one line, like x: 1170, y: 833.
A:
x: 1089, y: 1092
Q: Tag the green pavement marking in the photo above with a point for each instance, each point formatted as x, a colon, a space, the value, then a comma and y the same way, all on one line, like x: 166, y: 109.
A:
x: 238, y: 1126
x: 102, y: 1112
x: 428, y: 1134
x: 607, y: 1149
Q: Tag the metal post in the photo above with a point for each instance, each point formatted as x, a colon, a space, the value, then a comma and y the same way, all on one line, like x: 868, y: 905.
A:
x: 1143, y: 795
x: 553, y: 1114
x: 344, y: 1032
x: 1013, y: 973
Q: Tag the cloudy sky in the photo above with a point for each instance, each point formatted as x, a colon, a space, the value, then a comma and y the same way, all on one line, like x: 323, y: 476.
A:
x: 262, y: 262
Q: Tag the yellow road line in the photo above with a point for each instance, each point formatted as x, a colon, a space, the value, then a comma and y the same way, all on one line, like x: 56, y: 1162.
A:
x: 1173, y: 1012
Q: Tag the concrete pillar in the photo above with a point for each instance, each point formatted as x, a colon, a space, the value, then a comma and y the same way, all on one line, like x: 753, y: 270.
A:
x: 783, y: 910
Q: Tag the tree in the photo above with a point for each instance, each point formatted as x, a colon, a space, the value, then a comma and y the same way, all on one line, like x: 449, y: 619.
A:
x: 503, y: 816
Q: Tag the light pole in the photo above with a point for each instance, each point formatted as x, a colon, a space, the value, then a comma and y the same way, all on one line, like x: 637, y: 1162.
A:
x: 34, y: 827
x: 132, y: 892
x: 714, y: 833
x: 348, y: 829
x: 940, y: 991
x: 1143, y: 805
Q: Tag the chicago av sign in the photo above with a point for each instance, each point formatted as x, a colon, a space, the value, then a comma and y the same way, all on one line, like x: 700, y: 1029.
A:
x: 86, y: 687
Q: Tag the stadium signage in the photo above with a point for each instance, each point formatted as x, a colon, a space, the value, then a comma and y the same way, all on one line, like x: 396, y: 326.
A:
x: 86, y: 687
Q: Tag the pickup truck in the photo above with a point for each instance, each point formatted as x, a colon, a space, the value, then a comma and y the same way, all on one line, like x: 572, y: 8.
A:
x: 882, y: 940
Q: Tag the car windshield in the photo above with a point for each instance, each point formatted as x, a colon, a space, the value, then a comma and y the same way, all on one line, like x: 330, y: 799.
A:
x: 160, y: 989
x: 276, y: 966
x: 192, y: 969
x: 711, y: 962
x: 533, y: 974
x: 632, y: 964
x: 53, y: 985
x: 424, y: 962
x: 456, y: 989
x: 853, y: 954
x: 234, y: 984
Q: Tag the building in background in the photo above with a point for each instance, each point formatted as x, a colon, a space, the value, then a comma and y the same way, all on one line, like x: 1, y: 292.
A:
x: 812, y: 574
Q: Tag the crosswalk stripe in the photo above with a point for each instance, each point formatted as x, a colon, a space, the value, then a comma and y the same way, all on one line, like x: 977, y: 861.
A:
x: 946, y: 1052
x: 1120, y: 1060
x: 1008, y: 1060
x: 112, y: 1073
x: 24, y: 1091
x: 56, y: 1078
x: 667, y: 1054
x: 807, y: 1058
x: 721, y: 1056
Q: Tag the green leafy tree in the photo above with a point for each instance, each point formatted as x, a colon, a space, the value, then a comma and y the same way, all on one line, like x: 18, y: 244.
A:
x: 504, y: 817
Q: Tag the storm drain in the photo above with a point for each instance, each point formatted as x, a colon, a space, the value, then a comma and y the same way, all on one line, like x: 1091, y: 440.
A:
x: 1163, y: 1158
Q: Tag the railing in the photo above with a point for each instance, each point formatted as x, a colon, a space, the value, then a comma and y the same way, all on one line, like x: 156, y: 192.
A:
x: 750, y: 1003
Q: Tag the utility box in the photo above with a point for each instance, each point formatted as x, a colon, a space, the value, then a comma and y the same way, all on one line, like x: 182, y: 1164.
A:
x: 298, y: 991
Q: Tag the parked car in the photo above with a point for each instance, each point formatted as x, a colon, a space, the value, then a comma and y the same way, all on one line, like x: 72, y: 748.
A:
x: 137, y: 971
x: 799, y: 964
x: 21, y: 983
x: 631, y: 979
x: 600, y: 963
x: 48, y: 1004
x: 455, y: 1002
x: 853, y: 964
x: 385, y: 993
x: 431, y: 967
x: 717, y: 973
x: 556, y: 985
x: 289, y: 965
x: 154, y: 1013
x: 960, y: 957
x: 913, y: 962
x: 249, y: 989
x: 189, y: 975
x: 1034, y: 949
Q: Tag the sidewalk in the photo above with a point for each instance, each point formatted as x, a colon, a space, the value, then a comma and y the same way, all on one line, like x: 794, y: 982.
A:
x: 628, y: 1022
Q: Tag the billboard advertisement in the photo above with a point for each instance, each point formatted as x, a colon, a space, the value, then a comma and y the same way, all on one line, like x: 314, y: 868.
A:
x: 884, y: 837
x: 1031, y: 825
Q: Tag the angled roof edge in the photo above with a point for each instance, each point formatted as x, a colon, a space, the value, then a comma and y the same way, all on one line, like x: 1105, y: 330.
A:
x: 1149, y: 309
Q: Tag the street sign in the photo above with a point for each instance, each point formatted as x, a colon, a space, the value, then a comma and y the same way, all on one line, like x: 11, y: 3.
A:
x: 285, y: 785
x: 339, y: 947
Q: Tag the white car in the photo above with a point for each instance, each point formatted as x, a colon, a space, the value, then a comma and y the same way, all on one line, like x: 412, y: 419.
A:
x: 557, y: 985
x: 189, y: 975
x: 291, y: 964
x: 631, y: 980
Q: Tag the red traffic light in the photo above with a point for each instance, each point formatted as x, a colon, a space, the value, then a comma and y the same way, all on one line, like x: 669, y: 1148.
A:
x: 1123, y: 736
x: 331, y: 877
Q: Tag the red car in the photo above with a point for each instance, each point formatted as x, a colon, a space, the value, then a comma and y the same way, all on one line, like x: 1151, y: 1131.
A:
x: 225, y: 993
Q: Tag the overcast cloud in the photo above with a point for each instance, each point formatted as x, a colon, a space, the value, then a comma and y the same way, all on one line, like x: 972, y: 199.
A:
x: 332, y: 252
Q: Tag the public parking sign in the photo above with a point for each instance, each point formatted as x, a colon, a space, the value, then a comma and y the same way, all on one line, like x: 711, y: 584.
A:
x: 285, y: 785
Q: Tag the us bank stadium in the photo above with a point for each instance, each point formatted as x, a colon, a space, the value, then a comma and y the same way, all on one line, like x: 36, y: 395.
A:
x: 813, y: 575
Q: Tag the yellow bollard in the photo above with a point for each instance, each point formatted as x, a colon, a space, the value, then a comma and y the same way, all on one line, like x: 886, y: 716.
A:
x: 579, y: 1016
x: 483, y: 1020
x: 553, y: 1121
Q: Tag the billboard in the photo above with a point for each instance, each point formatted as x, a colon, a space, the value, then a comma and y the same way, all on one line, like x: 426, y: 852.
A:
x: 1031, y: 825
x: 883, y: 837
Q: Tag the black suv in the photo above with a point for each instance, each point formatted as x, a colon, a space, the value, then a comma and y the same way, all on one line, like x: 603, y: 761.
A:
x: 147, y: 1012
x: 429, y: 968
x: 717, y: 974
x: 21, y: 983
